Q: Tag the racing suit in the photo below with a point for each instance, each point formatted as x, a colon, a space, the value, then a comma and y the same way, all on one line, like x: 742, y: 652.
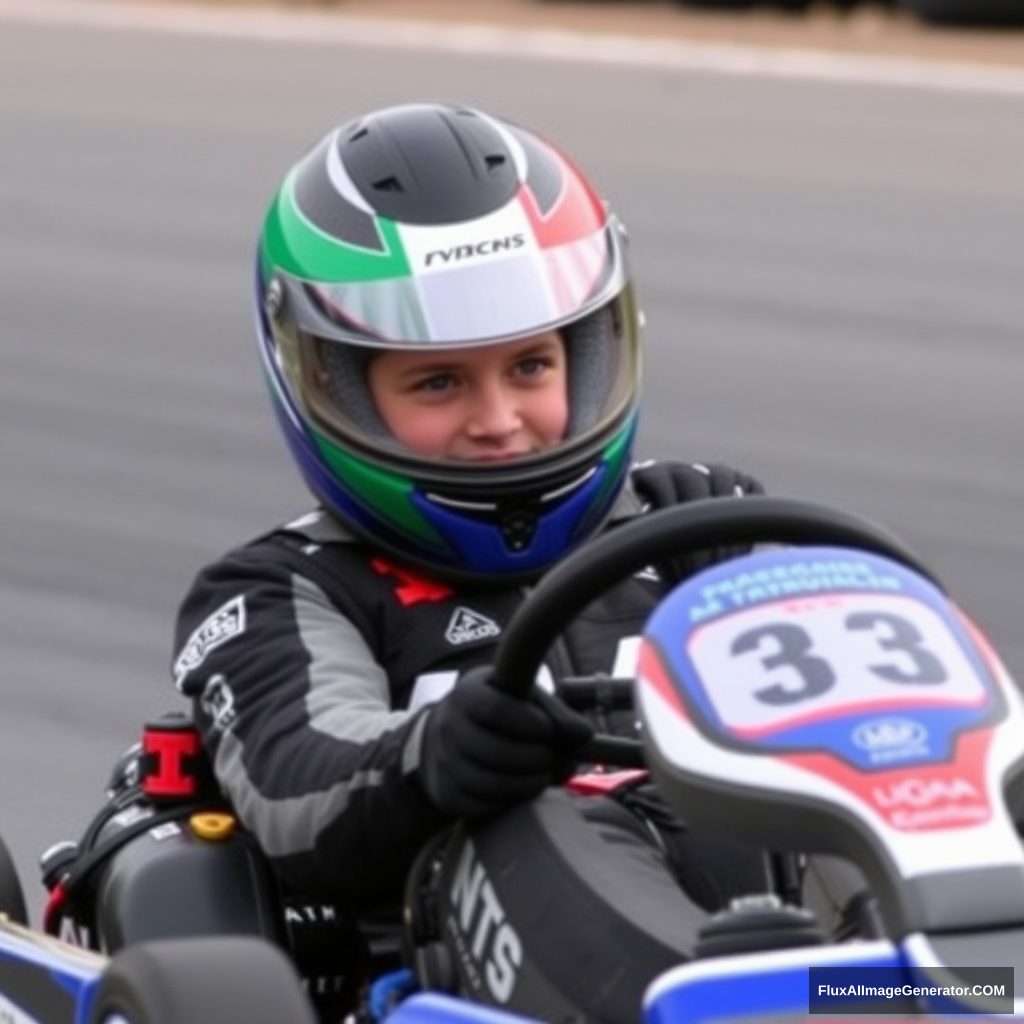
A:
x: 311, y: 657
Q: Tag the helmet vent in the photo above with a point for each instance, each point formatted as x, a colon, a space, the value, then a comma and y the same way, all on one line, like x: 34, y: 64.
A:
x: 388, y: 184
x: 494, y: 162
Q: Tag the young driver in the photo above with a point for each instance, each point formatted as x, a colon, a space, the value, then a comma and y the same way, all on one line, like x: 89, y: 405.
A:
x: 449, y: 332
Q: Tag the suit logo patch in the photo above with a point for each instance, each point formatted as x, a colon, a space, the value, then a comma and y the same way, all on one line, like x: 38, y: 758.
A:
x: 226, y: 622
x: 218, y: 702
x: 467, y: 626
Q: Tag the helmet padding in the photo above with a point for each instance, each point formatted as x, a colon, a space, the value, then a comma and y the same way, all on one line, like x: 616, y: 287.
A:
x: 590, y: 353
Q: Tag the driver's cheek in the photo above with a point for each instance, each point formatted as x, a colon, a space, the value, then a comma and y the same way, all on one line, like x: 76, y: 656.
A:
x: 433, y: 429
x: 424, y: 427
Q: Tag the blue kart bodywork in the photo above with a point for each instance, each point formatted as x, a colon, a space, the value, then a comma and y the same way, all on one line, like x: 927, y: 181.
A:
x: 48, y: 981
x: 43, y: 979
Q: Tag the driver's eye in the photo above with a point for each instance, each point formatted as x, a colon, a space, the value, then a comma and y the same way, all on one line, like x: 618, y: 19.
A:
x: 435, y: 383
x: 532, y: 368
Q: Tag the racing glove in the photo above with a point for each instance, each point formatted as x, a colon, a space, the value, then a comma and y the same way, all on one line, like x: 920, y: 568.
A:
x: 663, y: 484
x: 483, y: 750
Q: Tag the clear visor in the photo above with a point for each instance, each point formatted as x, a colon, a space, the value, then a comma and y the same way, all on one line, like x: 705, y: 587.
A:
x: 602, y: 374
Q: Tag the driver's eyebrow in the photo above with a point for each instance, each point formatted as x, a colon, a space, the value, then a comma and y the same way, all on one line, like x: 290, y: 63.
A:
x: 439, y: 365
x: 536, y: 348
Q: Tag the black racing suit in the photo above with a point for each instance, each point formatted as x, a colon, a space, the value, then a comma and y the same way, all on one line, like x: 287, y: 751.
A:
x: 311, y: 659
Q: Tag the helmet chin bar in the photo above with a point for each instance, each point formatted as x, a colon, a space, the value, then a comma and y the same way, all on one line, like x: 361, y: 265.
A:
x: 518, y: 538
x: 517, y: 522
x: 518, y: 515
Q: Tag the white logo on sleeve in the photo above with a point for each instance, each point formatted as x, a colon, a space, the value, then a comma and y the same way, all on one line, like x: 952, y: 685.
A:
x: 218, y: 702
x: 226, y: 622
x: 467, y: 626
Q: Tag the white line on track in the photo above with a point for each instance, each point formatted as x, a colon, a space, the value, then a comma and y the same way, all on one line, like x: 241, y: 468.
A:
x: 311, y: 27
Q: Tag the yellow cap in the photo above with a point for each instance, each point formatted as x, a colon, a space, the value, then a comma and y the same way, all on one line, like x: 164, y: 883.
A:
x: 212, y: 825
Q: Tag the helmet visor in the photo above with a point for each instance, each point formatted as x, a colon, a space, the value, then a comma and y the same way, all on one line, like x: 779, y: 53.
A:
x: 602, y: 372
x: 497, y: 289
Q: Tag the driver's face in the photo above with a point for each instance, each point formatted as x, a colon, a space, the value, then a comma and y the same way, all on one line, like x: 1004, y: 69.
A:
x: 481, y: 404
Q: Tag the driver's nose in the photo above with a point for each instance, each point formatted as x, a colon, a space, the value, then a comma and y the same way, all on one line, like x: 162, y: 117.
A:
x: 494, y: 413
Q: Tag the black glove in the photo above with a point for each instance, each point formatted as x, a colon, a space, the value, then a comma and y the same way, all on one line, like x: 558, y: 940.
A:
x: 483, y: 750
x: 662, y: 484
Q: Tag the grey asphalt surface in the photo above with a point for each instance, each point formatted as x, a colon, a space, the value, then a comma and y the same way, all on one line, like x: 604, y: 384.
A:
x: 832, y: 274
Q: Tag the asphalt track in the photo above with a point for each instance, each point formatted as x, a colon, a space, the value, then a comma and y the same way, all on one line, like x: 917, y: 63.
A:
x: 832, y: 274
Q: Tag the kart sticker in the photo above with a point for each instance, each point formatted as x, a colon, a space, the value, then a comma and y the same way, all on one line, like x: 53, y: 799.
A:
x: 828, y: 650
x: 820, y: 690
x: 798, y: 661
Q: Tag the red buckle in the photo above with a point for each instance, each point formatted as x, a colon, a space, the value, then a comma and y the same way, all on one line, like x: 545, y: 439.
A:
x: 169, y: 760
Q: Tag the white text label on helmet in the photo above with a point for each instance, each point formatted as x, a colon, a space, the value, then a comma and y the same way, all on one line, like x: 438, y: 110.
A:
x: 432, y: 249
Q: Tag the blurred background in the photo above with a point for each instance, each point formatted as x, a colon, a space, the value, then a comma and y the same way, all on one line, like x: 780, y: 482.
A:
x: 828, y: 249
x: 932, y: 12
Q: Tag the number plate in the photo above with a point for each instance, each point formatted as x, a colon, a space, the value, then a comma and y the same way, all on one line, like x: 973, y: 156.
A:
x: 822, y: 649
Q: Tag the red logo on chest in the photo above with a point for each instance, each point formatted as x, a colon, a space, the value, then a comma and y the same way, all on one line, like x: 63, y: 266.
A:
x: 411, y: 589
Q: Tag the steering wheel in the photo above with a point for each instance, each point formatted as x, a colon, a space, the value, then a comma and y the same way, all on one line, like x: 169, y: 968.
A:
x: 650, y: 539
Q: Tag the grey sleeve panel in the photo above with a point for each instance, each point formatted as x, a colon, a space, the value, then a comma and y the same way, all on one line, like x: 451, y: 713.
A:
x: 295, y: 712
x: 347, y: 707
x: 286, y: 826
x: 348, y: 696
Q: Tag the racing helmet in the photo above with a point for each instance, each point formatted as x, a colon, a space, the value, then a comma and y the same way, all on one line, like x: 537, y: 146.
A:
x: 433, y: 226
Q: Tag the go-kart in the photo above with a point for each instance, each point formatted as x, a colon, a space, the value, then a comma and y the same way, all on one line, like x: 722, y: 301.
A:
x: 818, y: 695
